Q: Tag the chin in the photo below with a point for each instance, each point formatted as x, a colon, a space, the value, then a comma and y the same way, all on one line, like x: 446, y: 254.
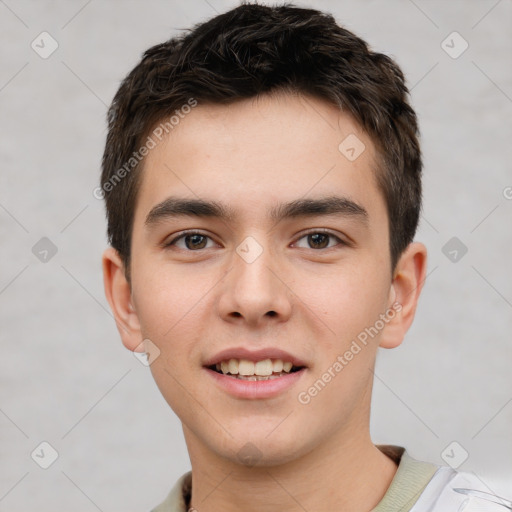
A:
x: 257, y: 450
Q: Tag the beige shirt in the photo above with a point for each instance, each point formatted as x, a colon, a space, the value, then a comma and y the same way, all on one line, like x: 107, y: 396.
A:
x: 406, y: 487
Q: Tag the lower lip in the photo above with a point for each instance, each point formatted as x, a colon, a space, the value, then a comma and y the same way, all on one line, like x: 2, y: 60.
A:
x: 255, y: 389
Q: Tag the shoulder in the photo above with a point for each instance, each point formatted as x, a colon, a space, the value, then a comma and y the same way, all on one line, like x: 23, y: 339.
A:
x: 450, y: 490
x: 178, y: 498
x: 420, y: 486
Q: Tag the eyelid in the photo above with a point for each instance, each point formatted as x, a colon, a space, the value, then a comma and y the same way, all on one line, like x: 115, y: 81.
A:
x: 325, y: 231
x: 183, y: 234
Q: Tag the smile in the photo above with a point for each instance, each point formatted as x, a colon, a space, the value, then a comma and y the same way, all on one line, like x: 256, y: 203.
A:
x: 266, y: 369
x: 242, y: 378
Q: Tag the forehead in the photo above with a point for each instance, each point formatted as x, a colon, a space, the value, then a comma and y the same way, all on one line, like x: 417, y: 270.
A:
x: 259, y: 152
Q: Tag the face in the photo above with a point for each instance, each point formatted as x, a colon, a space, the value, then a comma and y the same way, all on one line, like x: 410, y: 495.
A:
x: 288, y: 261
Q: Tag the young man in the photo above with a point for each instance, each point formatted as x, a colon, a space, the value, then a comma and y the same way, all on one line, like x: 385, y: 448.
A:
x: 262, y: 183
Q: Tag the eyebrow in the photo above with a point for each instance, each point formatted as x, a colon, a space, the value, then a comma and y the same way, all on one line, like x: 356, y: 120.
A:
x: 331, y: 205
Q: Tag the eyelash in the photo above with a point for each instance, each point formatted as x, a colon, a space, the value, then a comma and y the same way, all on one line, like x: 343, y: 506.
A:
x: 312, y: 232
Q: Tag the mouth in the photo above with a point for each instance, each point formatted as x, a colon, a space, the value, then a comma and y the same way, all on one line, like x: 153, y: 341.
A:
x: 244, y: 369
x: 246, y: 374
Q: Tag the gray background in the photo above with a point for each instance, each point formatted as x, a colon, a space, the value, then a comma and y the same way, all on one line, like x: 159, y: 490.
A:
x: 65, y: 377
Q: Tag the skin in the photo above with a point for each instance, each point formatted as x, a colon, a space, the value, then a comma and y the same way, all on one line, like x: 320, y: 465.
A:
x: 194, y: 302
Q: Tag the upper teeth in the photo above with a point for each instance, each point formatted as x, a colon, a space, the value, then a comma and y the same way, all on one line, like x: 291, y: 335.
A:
x: 246, y: 367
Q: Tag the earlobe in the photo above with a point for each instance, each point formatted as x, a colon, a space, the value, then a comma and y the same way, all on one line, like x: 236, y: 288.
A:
x: 118, y: 294
x: 405, y: 290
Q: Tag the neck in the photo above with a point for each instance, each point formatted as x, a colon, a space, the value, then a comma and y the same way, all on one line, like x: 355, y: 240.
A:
x: 338, y: 475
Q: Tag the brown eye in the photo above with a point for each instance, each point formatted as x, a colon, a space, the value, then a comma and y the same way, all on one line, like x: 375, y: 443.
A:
x: 318, y: 240
x: 191, y: 241
x: 195, y: 241
x: 321, y: 240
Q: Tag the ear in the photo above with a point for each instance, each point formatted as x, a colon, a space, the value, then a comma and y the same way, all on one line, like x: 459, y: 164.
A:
x: 118, y: 293
x: 404, y: 294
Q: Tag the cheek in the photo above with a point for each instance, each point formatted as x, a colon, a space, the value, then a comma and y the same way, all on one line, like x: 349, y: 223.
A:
x: 169, y: 305
x: 347, y: 300
x: 166, y: 298
x: 167, y: 311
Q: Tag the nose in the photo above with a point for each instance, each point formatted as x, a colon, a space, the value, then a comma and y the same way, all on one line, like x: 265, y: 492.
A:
x: 254, y: 291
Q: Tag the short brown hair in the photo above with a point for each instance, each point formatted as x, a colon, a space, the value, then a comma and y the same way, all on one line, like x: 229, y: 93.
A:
x: 249, y: 51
